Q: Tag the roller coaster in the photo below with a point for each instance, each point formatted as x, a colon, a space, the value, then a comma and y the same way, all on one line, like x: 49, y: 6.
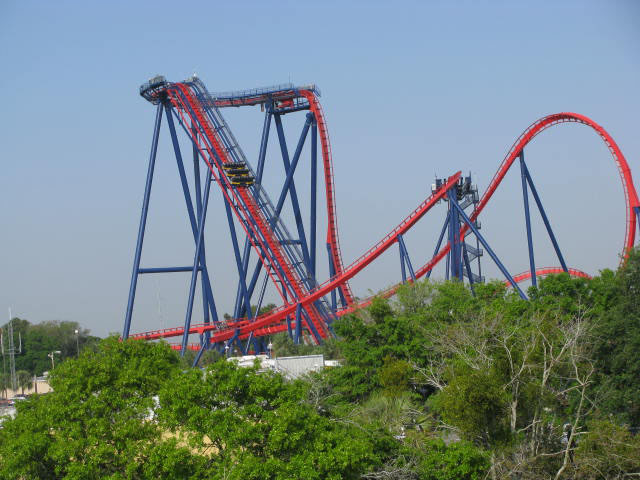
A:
x: 288, y: 261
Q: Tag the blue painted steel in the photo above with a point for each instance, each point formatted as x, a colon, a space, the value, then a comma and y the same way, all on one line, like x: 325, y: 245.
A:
x: 142, y: 271
x: 278, y: 211
x: 332, y: 273
x: 402, y: 268
x: 467, y: 264
x: 446, y: 274
x: 527, y: 217
x: 143, y: 222
x: 196, y: 260
x: 442, y: 232
x: 229, y: 346
x: 312, y: 328
x: 208, y: 301
x: 484, y: 243
x: 478, y: 258
x: 289, y: 332
x: 298, y: 323
x: 239, y: 308
x: 262, y: 292
x: 547, y: 224
x: 234, y: 150
x: 455, y: 254
x: 203, y: 347
x: 405, y: 259
x: 264, y: 91
x: 314, y: 186
x: 637, y: 209
x: 181, y: 172
x: 207, y: 293
x: 245, y: 350
x: 236, y: 252
x: 292, y: 186
x: 343, y: 300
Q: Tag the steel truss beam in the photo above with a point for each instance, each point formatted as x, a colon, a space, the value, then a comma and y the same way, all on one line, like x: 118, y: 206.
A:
x: 453, y: 202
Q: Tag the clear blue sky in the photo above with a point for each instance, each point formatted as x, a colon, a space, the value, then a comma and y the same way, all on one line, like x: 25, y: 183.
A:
x: 410, y: 89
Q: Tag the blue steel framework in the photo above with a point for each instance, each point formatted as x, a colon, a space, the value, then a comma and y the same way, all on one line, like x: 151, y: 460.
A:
x: 461, y: 254
x: 247, y: 281
x: 459, y: 258
x: 300, y: 251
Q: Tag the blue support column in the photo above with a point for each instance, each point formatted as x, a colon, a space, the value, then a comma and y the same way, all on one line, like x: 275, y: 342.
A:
x: 405, y: 259
x: 484, y: 243
x: 196, y: 360
x: 332, y: 273
x: 547, y: 224
x: 245, y: 351
x: 292, y: 186
x: 298, y: 332
x: 207, y: 294
x: 181, y: 172
x: 238, y: 309
x: 229, y: 346
x: 467, y: 264
x: 289, y: 332
x: 637, y: 210
x: 143, y: 223
x: 455, y: 257
x: 208, y: 302
x: 314, y: 186
x: 442, y: 232
x: 278, y: 210
x: 402, y: 268
x: 312, y: 328
x: 236, y: 251
x: 527, y: 217
x: 196, y: 261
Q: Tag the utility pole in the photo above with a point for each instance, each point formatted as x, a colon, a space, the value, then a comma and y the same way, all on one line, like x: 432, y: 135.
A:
x: 12, y: 354
x: 4, y: 365
x: 51, y: 355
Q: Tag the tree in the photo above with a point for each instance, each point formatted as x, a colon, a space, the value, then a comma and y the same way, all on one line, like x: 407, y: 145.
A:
x: 260, y: 426
x: 95, y: 422
x: 40, y: 339
x: 617, y: 335
x: 25, y: 380
x: 130, y: 410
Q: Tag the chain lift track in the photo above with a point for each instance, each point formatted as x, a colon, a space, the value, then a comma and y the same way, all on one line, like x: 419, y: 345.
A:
x: 289, y: 261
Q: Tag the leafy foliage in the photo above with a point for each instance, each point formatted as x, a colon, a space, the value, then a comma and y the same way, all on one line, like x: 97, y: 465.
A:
x: 95, y: 424
x: 41, y: 339
x: 436, y: 384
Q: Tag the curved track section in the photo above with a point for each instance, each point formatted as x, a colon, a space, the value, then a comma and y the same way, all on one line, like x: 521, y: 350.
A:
x: 287, y: 93
x: 630, y: 194
x: 632, y: 202
x: 332, y: 216
x: 273, y: 321
x: 544, y: 271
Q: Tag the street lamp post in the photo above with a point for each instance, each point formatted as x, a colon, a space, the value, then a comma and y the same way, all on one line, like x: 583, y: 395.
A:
x: 77, y: 343
x: 51, y: 355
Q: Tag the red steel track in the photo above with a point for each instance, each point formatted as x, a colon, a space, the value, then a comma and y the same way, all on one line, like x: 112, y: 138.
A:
x: 250, y: 217
x: 544, y: 271
x: 274, y: 321
x: 309, y: 94
x: 630, y: 194
x: 332, y: 216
